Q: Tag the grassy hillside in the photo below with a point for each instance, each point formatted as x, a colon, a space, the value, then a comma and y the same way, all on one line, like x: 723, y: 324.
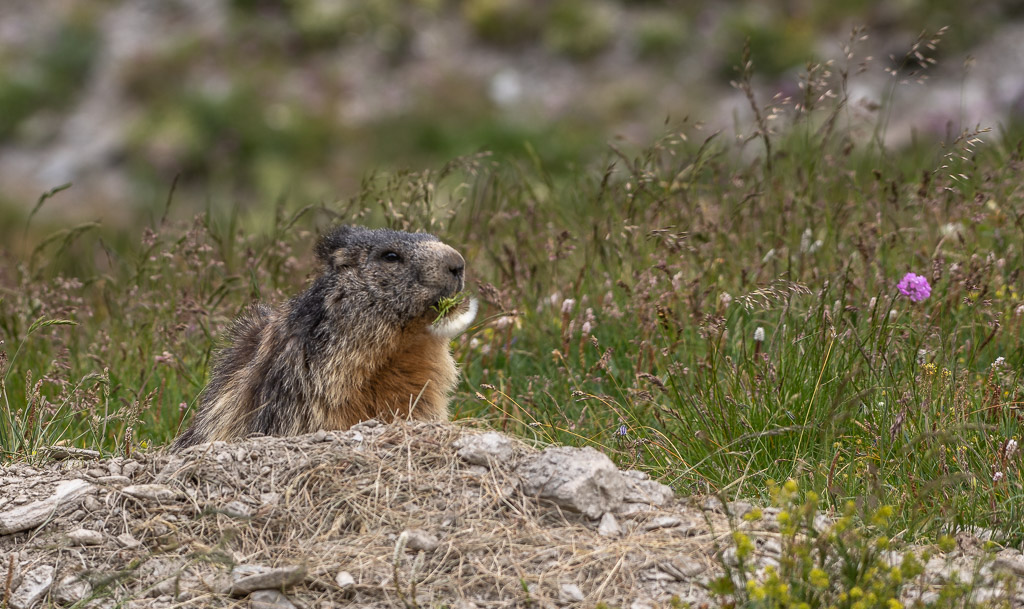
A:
x: 721, y: 309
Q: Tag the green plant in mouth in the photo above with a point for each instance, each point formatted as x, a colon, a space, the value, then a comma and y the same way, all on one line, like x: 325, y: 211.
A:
x: 447, y: 304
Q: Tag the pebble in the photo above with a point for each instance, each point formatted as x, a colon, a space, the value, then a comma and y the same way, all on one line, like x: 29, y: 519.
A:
x: 269, y: 599
x: 1010, y: 560
x: 249, y: 578
x: 344, y: 580
x: 34, y: 586
x: 71, y: 589
x: 661, y: 522
x: 609, y: 526
x: 484, y: 449
x: 85, y: 537
x: 712, y: 504
x: 739, y: 509
x: 421, y: 541
x: 570, y: 593
x: 154, y: 492
x: 67, y: 452
x: 683, y: 569
x: 237, y: 509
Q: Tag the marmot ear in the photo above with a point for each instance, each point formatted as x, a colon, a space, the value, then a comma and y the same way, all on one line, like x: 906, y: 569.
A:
x: 331, y: 249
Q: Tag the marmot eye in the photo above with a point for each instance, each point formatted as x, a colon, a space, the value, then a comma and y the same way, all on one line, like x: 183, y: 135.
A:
x: 391, y: 257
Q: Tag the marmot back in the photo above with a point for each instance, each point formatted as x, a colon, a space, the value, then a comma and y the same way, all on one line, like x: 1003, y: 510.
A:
x: 363, y: 342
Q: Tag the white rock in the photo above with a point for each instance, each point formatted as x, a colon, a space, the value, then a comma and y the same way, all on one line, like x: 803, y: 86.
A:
x: 7, y: 561
x: 30, y: 515
x: 661, y: 522
x: 269, y: 599
x: 34, y: 586
x: 609, y: 526
x: 585, y: 480
x: 648, y: 492
x: 68, y: 452
x: 578, y: 479
x: 712, y: 504
x: 85, y: 537
x: 570, y: 593
x: 126, y: 540
x: 237, y: 509
x: 419, y: 540
x: 344, y: 580
x: 249, y: 578
x: 1010, y: 560
x: 92, y: 504
x: 71, y: 589
x: 153, y: 492
x: 739, y: 509
x: 683, y: 569
x: 485, y: 448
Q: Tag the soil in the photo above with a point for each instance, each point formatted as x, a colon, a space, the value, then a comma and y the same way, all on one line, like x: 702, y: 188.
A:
x: 399, y: 515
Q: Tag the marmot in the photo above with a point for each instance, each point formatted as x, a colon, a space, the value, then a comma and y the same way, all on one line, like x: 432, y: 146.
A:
x: 363, y: 342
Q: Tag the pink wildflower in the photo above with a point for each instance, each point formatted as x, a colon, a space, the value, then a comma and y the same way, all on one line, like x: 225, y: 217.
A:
x: 914, y: 287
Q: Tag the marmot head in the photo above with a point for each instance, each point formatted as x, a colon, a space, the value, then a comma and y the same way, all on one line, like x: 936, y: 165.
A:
x: 390, y: 273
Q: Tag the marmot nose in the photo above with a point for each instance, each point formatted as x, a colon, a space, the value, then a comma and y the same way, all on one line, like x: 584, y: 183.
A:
x: 455, y: 265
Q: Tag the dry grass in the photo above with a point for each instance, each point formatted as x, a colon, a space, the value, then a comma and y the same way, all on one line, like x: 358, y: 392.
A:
x: 414, y: 525
x: 341, y: 501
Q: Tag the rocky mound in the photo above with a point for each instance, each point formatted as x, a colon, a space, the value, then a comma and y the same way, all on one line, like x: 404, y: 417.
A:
x: 382, y: 516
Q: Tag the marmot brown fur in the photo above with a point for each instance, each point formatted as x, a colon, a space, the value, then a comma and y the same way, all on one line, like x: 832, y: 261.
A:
x: 363, y: 342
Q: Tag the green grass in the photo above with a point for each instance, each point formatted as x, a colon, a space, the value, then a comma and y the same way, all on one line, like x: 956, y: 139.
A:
x: 621, y: 308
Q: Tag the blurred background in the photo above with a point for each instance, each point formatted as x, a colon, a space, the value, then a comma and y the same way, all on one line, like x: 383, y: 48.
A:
x: 244, y: 102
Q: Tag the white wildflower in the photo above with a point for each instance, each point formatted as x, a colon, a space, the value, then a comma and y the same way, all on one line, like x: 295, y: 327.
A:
x: 567, y: 305
x: 997, y: 477
x: 950, y: 229
x: 725, y: 298
x: 1010, y: 449
x: 998, y: 363
x: 588, y: 322
x: 759, y: 334
x: 503, y: 322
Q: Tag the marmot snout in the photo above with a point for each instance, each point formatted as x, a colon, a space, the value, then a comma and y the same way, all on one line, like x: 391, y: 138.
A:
x: 362, y: 342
